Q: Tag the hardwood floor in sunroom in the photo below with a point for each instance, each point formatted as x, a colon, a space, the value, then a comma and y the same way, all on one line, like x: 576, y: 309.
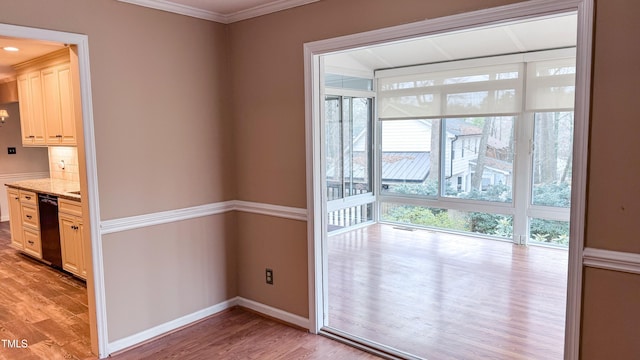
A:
x: 42, y: 310
x: 444, y: 296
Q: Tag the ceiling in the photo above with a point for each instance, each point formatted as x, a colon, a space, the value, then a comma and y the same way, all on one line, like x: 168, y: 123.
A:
x: 223, y: 11
x: 553, y: 32
x: 28, y: 49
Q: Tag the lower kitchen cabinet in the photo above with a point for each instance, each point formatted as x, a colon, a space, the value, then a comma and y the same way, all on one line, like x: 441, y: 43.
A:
x: 32, y: 244
x: 71, y: 239
x: 15, y: 218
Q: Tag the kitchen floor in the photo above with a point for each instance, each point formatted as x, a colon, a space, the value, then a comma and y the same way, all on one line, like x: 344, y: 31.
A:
x: 43, y: 311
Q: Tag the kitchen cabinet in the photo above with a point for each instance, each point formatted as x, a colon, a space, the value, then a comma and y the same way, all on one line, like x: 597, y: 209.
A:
x: 31, y: 109
x: 71, y: 238
x: 15, y: 218
x: 58, y: 105
x: 47, y: 95
x: 30, y: 223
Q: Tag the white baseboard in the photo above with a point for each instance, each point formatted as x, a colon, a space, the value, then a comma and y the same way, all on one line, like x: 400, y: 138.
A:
x: 274, y: 312
x: 169, y: 326
x: 172, y: 325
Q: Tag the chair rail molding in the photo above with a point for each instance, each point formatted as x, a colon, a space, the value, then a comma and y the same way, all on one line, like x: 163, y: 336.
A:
x: 612, y: 260
x: 164, y: 217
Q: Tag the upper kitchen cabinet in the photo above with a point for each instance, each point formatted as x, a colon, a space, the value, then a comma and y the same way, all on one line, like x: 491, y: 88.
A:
x: 48, y: 92
x: 58, y: 105
x: 31, y: 109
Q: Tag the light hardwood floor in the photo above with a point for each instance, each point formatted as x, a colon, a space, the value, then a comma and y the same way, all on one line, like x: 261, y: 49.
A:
x: 42, y: 306
x: 435, y: 295
x: 444, y: 296
x: 48, y: 309
x: 241, y: 334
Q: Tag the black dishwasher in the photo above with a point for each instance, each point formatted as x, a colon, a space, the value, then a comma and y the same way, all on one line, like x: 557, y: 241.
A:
x: 50, y: 229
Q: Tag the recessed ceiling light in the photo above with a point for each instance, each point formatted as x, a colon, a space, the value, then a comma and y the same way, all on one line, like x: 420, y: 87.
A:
x: 10, y: 48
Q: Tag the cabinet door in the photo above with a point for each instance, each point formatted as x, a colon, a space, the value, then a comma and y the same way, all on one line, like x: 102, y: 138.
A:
x: 58, y: 105
x: 69, y: 244
x: 51, y: 97
x: 24, y: 103
x: 31, y: 109
x: 32, y: 245
x: 15, y: 218
x: 81, y: 248
x: 67, y: 111
x: 30, y: 216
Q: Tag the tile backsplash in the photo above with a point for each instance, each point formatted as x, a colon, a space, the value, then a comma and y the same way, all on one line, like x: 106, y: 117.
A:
x: 68, y: 154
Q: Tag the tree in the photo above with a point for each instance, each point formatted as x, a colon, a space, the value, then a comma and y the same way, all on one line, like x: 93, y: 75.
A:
x: 434, y: 156
x: 476, y: 177
x: 546, y: 148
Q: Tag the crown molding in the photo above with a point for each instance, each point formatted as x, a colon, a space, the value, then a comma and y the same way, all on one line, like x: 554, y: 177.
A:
x: 265, y: 9
x: 178, y: 9
x: 260, y: 10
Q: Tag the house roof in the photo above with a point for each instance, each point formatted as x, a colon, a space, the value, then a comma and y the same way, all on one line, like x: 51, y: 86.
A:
x: 406, y: 166
x: 396, y: 166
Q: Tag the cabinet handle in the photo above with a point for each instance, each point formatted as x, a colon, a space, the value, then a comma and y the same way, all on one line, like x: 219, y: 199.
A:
x: 31, y: 136
x: 29, y: 217
x: 30, y: 242
x: 28, y: 197
x: 58, y: 136
x: 18, y: 198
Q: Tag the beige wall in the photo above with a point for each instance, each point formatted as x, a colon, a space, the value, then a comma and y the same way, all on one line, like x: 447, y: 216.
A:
x: 175, y: 97
x: 611, y: 317
x: 280, y: 245
x: 160, y: 101
x: 146, y: 287
x: 163, y: 142
x: 611, y: 323
x: 26, y: 159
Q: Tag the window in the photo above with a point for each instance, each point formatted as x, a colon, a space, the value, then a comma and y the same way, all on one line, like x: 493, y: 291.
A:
x: 552, y: 147
x: 490, y: 168
x: 410, y: 157
x: 449, y: 145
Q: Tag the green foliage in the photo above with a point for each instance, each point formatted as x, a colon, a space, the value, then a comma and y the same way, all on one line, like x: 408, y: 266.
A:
x: 495, y: 193
x: 477, y: 222
x: 550, y: 231
x: 552, y: 194
x: 543, y: 231
x: 417, y: 215
x: 428, y: 188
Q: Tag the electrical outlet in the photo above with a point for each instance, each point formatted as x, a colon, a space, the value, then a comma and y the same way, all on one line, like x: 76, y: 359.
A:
x: 268, y: 276
x: 11, y: 150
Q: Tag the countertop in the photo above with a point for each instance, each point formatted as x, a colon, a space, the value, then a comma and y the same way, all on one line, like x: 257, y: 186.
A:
x: 56, y: 187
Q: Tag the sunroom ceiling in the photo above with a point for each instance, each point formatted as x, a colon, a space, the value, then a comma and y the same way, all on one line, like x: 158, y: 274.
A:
x: 552, y: 32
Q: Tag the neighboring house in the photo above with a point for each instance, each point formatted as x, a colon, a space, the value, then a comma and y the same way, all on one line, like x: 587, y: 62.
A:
x: 406, y: 154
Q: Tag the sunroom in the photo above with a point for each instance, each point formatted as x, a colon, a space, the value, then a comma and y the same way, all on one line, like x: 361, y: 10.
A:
x: 427, y: 150
x: 469, y: 131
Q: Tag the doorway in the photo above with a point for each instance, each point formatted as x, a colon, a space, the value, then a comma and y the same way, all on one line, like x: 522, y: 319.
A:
x: 435, y: 101
x: 87, y: 171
